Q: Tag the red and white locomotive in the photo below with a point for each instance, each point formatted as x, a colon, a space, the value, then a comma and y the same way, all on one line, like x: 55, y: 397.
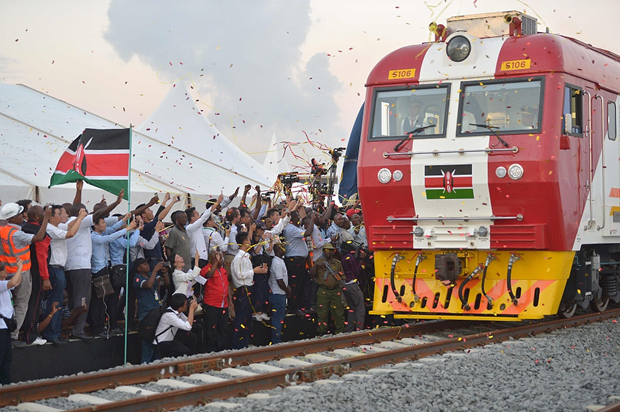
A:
x: 489, y: 173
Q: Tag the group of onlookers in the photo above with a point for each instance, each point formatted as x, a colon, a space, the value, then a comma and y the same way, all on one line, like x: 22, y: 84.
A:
x: 63, y: 267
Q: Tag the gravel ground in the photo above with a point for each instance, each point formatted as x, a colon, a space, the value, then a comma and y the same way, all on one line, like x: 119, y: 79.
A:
x: 566, y: 370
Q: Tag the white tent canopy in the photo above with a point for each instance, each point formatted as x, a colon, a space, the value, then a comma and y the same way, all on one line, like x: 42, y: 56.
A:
x: 275, y: 160
x: 36, y: 128
x: 178, y: 122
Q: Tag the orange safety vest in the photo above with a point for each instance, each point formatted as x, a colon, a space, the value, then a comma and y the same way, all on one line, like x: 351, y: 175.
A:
x: 9, y: 253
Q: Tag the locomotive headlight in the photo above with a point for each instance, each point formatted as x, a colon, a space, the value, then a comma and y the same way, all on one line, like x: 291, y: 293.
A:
x: 398, y: 175
x: 515, y: 171
x: 500, y: 172
x: 384, y: 175
x: 458, y: 48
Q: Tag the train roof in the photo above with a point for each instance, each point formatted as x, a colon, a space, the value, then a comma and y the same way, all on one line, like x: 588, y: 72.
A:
x: 547, y: 53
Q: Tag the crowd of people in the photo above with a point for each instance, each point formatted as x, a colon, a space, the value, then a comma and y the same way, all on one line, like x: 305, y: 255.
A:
x: 63, y: 268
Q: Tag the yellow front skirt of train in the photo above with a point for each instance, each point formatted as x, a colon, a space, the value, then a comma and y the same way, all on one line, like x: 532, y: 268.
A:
x: 538, y: 280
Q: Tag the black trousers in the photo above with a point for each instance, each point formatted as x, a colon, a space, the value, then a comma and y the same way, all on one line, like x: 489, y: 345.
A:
x: 131, y: 309
x: 6, y: 357
x: 100, y: 307
x: 216, y: 328
x: 31, y: 321
x: 184, y: 343
x: 299, y: 282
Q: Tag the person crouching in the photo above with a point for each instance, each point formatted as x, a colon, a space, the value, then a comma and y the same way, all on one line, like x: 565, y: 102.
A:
x: 174, y: 328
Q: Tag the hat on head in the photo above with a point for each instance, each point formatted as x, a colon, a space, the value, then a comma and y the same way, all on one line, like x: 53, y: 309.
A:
x: 328, y: 246
x: 529, y: 109
x: 415, y: 101
x: 352, y: 212
x: 11, y: 210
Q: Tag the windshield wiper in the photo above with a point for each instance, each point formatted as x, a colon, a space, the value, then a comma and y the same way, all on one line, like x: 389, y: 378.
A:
x: 411, y: 134
x: 494, y: 130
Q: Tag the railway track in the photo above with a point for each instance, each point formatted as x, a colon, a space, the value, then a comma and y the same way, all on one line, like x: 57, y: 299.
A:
x: 242, y: 373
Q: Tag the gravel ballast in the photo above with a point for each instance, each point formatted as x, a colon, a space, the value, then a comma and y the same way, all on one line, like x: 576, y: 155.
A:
x: 565, y: 370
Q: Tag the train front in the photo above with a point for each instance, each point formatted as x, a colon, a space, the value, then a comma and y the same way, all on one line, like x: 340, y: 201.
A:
x: 458, y: 178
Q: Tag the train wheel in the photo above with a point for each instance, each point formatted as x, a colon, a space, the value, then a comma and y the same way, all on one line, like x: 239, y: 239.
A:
x: 567, y: 310
x: 599, y: 304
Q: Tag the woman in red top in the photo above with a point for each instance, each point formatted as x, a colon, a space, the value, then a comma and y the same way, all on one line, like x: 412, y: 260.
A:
x: 216, y: 302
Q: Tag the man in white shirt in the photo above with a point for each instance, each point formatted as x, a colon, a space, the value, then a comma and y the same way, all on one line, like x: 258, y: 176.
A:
x: 213, y: 239
x: 173, y: 335
x: 78, y: 265
x: 243, y: 280
x: 278, y: 283
x: 194, y: 230
x: 58, y: 258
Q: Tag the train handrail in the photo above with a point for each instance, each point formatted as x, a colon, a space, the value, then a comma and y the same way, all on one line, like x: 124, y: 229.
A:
x: 518, y: 217
x: 513, y: 149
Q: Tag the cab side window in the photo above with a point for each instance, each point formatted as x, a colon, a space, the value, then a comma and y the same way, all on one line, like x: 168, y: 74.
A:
x: 573, y: 111
x: 611, y: 120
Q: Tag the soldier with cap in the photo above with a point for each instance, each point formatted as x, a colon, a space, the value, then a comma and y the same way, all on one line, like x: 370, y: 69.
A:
x: 330, y: 278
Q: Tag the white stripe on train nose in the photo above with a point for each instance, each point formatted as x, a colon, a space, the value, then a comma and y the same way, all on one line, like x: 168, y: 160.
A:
x: 436, y: 67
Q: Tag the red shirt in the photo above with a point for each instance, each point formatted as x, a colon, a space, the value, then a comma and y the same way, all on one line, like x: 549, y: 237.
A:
x: 216, y: 288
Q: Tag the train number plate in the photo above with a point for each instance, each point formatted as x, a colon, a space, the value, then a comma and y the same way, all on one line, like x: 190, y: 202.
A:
x: 516, y: 64
x: 401, y: 74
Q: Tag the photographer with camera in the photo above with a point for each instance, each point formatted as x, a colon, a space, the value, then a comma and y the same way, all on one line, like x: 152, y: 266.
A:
x: 174, y: 330
x: 146, y: 285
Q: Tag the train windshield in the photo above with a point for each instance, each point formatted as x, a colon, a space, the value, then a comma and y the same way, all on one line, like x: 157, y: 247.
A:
x: 506, y: 107
x: 421, y: 111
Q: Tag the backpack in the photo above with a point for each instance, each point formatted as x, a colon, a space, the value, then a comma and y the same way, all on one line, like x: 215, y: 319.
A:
x: 148, y: 325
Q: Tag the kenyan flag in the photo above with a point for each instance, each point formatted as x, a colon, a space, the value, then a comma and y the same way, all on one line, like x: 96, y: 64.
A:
x: 448, y: 182
x: 99, y: 157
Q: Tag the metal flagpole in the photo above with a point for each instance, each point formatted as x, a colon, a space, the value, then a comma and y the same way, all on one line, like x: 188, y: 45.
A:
x: 127, y: 314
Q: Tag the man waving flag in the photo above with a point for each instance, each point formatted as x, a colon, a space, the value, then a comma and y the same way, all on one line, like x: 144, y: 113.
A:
x: 99, y: 157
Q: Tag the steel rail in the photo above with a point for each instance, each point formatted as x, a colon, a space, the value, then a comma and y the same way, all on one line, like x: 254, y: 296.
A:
x: 50, y: 388
x: 614, y: 407
x: 242, y: 387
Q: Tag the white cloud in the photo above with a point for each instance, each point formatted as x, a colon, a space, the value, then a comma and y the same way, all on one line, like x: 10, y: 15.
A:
x: 246, y: 56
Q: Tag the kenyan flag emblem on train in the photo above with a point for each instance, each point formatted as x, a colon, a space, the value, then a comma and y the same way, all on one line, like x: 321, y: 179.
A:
x: 448, y: 182
x: 99, y: 157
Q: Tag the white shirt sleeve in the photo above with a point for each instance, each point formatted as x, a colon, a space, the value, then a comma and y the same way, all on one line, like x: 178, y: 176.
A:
x: 277, y: 229
x: 200, y: 221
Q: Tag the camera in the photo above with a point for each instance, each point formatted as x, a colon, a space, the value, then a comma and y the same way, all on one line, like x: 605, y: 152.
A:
x: 351, y: 246
x: 288, y: 178
x: 336, y: 153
